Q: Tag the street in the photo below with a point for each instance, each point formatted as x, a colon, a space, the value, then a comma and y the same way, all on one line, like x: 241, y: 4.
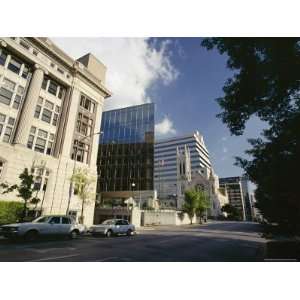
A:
x: 215, y: 241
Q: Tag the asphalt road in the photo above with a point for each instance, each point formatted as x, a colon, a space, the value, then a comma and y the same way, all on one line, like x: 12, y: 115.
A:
x: 215, y: 241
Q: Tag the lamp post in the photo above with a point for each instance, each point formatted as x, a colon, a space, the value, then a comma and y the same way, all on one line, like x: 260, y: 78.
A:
x: 132, y: 187
x: 75, y: 159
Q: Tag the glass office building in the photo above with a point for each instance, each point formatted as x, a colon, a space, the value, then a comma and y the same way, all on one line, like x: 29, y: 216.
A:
x: 126, y: 151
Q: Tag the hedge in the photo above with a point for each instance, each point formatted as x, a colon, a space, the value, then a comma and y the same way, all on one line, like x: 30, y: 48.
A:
x: 10, y: 211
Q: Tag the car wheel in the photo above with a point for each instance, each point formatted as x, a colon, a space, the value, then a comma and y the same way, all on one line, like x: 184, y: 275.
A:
x: 129, y: 232
x: 108, y: 233
x: 74, y: 234
x: 31, y: 236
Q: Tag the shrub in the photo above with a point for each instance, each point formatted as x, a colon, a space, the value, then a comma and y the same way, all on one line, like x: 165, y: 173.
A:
x: 10, y: 211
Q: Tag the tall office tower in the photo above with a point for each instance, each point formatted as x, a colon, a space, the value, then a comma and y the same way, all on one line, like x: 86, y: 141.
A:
x: 50, y: 110
x: 126, y: 151
x: 238, y: 194
x: 165, y: 161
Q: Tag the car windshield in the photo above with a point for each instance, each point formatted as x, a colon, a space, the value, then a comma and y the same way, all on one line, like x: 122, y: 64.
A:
x: 109, y: 222
x: 41, y: 220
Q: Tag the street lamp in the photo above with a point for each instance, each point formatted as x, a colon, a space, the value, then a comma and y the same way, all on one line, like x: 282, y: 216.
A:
x: 75, y: 159
x: 132, y: 187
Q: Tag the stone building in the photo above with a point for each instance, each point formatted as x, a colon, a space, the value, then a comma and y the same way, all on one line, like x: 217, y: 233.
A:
x: 50, y: 115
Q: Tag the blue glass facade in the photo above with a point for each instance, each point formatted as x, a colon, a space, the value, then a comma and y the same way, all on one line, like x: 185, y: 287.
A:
x: 126, y: 151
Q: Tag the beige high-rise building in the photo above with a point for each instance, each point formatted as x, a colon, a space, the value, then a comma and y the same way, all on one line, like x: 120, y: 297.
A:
x: 50, y: 115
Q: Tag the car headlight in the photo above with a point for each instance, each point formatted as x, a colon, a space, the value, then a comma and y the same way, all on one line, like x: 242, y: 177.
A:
x: 14, y: 228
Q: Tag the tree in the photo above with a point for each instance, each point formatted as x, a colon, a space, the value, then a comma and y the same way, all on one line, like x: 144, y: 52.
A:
x: 203, y: 204
x: 195, y: 203
x: 25, y: 190
x: 266, y: 83
x: 82, y: 187
x: 232, y: 212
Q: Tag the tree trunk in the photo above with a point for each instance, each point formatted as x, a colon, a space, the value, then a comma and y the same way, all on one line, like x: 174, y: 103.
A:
x: 82, y: 208
x: 24, y: 211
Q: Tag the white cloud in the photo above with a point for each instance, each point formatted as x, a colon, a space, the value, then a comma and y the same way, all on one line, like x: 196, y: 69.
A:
x: 133, y: 65
x: 165, y: 127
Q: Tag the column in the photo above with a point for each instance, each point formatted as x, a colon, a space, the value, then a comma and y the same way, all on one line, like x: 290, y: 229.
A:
x: 28, y: 108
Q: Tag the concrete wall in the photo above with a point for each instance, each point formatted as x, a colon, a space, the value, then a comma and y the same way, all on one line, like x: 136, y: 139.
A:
x: 165, y: 217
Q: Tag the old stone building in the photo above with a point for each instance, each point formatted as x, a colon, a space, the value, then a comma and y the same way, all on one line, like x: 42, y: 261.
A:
x: 50, y: 115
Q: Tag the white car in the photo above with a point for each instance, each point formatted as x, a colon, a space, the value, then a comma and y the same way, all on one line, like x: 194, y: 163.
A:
x: 113, y: 227
x: 42, y: 226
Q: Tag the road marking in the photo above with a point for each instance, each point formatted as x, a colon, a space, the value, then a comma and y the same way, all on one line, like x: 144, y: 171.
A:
x: 55, y: 257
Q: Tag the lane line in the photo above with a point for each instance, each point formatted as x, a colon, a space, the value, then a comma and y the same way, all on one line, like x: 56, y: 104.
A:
x: 54, y: 257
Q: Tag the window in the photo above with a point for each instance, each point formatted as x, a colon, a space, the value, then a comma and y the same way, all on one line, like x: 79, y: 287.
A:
x: 24, y: 45
x: 54, y: 121
x: 25, y: 72
x: 87, y: 104
x: 30, y: 141
x: 84, y: 125
x: 3, y: 56
x: 40, y: 145
x: 1, y: 167
x: 61, y: 93
x: 32, y: 129
x: 46, y: 115
x: 14, y: 65
x: 52, y: 88
x: 37, y: 111
x: 2, y: 118
x: 66, y: 220
x: 7, y: 134
x: 18, y: 97
x: 40, y: 140
x: 80, y: 151
x: 55, y: 220
x: 60, y: 71
x: 49, y: 148
x: 6, y: 91
x: 44, y: 84
x: 42, y: 133
x: 49, y: 105
x: 5, y: 96
x: 11, y: 121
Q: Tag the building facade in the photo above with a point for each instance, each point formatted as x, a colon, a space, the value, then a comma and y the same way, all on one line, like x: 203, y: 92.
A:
x: 166, y: 161
x: 238, y: 193
x: 50, y: 112
x: 126, y: 153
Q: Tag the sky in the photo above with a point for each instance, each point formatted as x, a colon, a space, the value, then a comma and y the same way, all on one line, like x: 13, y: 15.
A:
x: 182, y: 78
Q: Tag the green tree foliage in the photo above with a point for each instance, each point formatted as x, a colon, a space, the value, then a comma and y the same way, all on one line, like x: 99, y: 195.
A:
x: 232, y: 212
x: 195, y: 203
x: 10, y: 212
x: 266, y: 83
x: 25, y: 190
x: 82, y: 182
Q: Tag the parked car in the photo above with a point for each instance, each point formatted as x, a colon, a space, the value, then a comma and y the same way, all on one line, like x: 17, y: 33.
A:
x: 44, y: 226
x: 113, y: 227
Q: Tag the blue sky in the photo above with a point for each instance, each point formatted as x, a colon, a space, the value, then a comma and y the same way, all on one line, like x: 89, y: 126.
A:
x: 189, y: 101
x: 181, y: 77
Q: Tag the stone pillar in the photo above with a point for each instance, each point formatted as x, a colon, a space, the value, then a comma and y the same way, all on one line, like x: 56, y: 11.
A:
x: 28, y: 108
